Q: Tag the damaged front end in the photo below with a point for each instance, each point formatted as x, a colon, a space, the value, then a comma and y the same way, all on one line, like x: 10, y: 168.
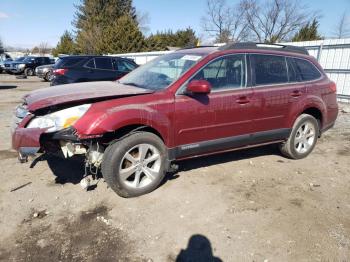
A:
x: 67, y: 144
x: 48, y: 133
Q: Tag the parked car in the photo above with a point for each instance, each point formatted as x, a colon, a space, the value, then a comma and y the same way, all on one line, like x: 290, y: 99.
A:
x: 185, y: 104
x: 74, y: 69
x: 27, y: 66
x: 8, y: 64
x: 3, y: 59
x: 45, y: 72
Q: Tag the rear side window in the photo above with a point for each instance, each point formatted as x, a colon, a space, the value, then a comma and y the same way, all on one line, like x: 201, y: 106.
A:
x: 306, y: 70
x: 270, y: 69
x: 69, y: 61
x: 91, y: 63
x: 103, y: 63
x: 293, y: 76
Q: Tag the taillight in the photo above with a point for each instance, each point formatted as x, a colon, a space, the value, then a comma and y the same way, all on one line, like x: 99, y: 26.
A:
x: 60, y: 71
x: 333, y: 87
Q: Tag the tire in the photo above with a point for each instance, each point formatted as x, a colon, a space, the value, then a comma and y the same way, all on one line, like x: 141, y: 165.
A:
x: 127, y: 172
x: 302, y: 139
x: 48, y: 76
x: 29, y: 72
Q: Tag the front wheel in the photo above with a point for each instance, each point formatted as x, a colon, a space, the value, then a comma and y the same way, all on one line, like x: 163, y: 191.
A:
x: 135, y: 165
x: 302, y: 139
x: 29, y: 72
x: 48, y: 76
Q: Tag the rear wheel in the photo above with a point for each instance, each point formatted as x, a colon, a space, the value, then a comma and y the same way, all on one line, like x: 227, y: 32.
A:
x: 135, y: 165
x: 302, y: 139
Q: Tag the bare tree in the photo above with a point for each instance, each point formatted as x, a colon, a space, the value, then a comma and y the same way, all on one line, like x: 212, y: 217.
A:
x: 43, y: 48
x: 342, y: 29
x: 143, y: 21
x: 274, y: 20
x: 224, y: 22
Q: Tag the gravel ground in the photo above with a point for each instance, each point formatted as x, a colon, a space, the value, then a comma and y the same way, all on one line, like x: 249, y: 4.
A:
x: 250, y: 205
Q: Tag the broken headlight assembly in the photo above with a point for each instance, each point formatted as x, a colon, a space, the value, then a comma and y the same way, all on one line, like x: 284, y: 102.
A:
x: 59, y: 120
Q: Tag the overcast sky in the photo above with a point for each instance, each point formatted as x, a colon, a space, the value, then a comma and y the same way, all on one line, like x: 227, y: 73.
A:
x: 25, y: 23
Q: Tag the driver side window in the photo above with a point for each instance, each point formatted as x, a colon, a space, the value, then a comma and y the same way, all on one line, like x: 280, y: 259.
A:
x: 224, y: 73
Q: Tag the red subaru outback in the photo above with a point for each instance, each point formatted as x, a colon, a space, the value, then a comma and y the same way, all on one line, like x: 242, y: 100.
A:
x: 189, y: 103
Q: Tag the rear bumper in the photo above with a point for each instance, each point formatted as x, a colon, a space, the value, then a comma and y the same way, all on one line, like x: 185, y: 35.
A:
x: 329, y: 126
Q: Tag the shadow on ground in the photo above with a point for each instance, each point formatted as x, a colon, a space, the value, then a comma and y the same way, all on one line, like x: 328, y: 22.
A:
x: 7, y: 86
x: 212, y: 160
x: 198, y: 249
x: 66, y: 170
x: 72, y: 170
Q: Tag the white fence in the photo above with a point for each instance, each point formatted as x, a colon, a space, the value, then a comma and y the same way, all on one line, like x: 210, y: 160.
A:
x: 332, y: 54
x: 143, y: 57
x: 334, y: 57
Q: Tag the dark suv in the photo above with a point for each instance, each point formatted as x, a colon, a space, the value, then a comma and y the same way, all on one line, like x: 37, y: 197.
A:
x: 28, y: 65
x: 185, y: 104
x: 74, y: 69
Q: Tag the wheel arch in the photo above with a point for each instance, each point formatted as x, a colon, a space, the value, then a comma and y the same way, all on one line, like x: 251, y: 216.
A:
x: 313, y: 106
x: 316, y: 113
x: 130, y: 129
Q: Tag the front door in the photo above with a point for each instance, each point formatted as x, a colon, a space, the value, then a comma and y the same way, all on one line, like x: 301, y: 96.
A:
x: 221, y: 119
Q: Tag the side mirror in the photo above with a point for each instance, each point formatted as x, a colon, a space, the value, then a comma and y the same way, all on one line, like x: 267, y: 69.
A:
x: 199, y: 87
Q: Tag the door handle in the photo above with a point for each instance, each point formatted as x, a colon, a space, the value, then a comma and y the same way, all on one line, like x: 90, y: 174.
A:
x: 296, y: 93
x: 243, y: 100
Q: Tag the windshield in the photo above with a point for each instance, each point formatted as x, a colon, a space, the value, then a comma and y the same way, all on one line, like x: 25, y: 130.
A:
x: 29, y: 59
x: 162, y: 71
x: 19, y: 59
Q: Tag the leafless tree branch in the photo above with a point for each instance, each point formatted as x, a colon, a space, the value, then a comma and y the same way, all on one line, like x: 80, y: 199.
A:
x: 224, y: 22
x: 274, y: 20
x: 342, y: 28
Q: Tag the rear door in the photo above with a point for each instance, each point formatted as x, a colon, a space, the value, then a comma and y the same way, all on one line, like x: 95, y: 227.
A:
x: 103, y: 70
x: 276, y: 88
x: 219, y: 120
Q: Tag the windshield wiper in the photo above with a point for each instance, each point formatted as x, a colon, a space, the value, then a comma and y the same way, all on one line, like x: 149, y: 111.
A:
x: 132, y: 84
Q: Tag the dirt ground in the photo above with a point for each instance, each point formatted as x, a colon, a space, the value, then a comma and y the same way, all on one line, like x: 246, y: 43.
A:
x: 250, y: 205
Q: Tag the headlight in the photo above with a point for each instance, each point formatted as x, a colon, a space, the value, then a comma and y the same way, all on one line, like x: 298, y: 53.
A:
x: 60, y: 119
x: 21, y: 65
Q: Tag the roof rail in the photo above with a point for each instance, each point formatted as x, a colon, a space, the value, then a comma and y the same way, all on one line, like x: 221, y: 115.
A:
x: 195, y: 46
x: 264, y: 46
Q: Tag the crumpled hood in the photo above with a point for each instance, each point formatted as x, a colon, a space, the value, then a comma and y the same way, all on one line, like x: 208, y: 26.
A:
x: 79, y: 92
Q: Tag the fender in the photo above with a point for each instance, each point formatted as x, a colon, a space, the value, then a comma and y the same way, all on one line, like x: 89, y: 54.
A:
x: 109, y: 116
x: 311, y: 101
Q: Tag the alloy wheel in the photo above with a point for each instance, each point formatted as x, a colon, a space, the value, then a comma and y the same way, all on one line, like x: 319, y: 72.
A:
x: 304, y: 137
x: 140, y: 166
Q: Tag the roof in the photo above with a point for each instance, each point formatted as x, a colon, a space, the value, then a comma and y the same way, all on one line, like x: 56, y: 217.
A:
x: 264, y: 46
x: 246, y: 46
